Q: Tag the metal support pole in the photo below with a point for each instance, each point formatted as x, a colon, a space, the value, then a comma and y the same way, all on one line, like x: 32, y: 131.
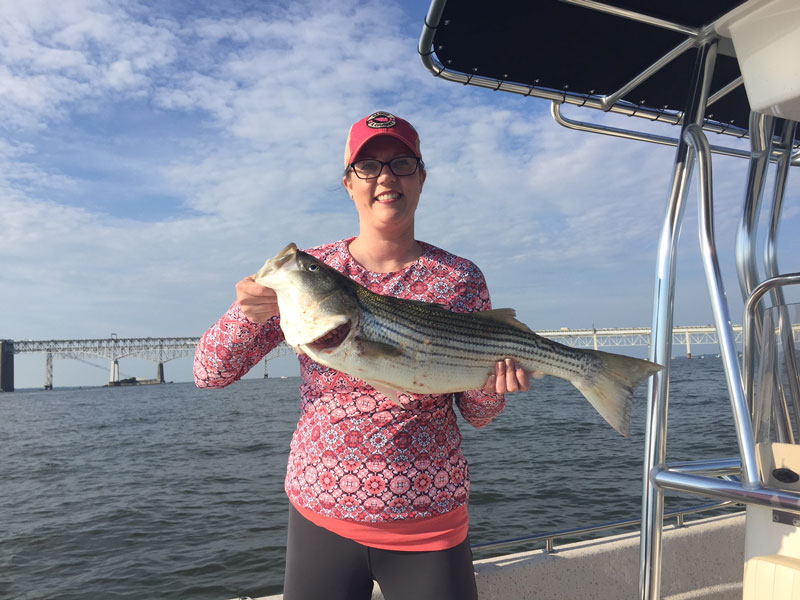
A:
x: 771, y: 269
x: 761, y: 132
x: 719, y: 305
x: 661, y: 336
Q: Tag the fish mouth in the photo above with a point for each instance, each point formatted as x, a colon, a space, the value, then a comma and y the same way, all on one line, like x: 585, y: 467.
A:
x: 332, y: 339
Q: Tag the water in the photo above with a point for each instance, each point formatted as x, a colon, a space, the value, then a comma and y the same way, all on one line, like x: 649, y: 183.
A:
x: 173, y: 492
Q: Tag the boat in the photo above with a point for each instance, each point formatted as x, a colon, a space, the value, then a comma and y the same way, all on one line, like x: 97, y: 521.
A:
x: 726, y: 67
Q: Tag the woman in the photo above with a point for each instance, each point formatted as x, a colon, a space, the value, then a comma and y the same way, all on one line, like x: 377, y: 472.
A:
x: 377, y: 491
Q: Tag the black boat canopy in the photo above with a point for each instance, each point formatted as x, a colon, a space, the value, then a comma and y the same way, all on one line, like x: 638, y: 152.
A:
x: 585, y: 52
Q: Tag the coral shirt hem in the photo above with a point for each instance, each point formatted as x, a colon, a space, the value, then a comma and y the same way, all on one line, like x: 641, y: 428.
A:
x: 408, y: 535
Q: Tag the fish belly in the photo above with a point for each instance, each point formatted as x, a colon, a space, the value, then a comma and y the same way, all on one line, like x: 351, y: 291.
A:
x: 414, y: 372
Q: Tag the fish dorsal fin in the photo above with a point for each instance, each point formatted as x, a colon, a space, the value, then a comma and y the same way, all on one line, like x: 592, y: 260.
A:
x: 504, y: 315
x: 434, y: 305
x: 369, y: 294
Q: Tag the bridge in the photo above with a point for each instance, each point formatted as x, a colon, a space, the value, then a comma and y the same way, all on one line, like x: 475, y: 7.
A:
x: 163, y: 349
x: 637, y: 336
x: 158, y: 350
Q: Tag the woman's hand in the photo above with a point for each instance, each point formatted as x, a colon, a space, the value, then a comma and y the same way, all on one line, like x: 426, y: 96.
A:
x: 508, y: 377
x: 259, y: 303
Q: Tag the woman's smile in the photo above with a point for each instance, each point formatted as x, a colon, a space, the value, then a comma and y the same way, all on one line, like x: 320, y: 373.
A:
x: 387, y: 197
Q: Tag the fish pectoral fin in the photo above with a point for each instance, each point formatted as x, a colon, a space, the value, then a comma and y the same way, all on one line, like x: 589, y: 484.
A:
x: 372, y: 349
x: 386, y: 390
x: 504, y: 315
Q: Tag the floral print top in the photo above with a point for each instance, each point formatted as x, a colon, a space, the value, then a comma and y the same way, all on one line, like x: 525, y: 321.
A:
x: 355, y: 454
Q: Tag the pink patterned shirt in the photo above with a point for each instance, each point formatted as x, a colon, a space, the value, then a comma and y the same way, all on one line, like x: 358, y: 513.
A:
x: 356, y: 455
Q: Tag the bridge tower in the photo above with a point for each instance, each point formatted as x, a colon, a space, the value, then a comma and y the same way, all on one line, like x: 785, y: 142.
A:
x: 113, y: 378
x: 6, y: 365
x: 160, y: 373
x: 48, y: 372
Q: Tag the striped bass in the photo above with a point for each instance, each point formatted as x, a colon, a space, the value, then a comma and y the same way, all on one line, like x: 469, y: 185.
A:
x: 398, y: 345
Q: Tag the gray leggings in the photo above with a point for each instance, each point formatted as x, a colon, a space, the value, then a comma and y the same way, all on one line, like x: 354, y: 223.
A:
x: 323, y: 565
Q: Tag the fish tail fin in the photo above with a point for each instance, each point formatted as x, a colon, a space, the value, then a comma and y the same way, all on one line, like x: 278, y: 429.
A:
x: 610, y: 386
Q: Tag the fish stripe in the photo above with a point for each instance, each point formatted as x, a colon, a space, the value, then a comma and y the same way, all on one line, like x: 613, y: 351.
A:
x: 434, y: 332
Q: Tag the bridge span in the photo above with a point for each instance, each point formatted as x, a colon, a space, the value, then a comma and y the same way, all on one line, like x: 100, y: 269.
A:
x: 164, y: 349
x: 637, y: 336
x: 156, y: 349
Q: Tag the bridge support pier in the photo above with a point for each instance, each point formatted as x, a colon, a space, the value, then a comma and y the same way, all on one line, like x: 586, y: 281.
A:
x: 6, y: 365
x: 48, y: 371
x: 160, y: 373
x: 113, y: 379
x: 266, y: 374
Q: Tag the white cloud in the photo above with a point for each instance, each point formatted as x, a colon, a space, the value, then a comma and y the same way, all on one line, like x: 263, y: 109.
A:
x: 56, y: 54
x: 149, y: 159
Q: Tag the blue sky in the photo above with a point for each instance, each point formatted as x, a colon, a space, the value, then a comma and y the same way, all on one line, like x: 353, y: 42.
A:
x: 153, y: 153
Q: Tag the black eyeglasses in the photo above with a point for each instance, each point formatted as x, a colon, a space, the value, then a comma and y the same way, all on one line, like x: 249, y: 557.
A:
x: 370, y: 168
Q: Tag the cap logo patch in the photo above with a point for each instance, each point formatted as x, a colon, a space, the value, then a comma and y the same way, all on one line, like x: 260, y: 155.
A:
x: 381, y: 120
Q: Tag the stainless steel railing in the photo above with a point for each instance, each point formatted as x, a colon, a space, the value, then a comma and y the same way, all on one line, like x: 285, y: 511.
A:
x: 550, y: 537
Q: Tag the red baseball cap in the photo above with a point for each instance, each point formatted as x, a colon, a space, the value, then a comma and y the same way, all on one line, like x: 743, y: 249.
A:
x: 380, y: 123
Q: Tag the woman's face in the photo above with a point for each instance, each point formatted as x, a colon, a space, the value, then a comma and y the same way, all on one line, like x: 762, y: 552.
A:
x: 388, y: 202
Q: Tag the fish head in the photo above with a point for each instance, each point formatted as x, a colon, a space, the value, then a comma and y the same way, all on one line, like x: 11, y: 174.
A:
x: 318, y: 305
